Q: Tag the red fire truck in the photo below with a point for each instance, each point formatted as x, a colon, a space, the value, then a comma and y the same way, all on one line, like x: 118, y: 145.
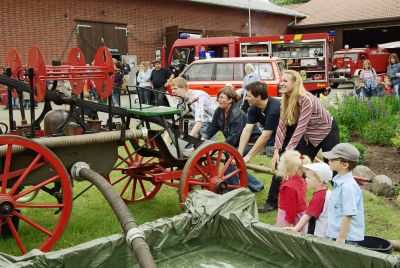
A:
x: 347, y: 63
x: 309, y: 54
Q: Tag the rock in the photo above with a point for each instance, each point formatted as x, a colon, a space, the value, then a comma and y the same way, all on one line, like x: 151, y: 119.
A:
x: 382, y: 185
x: 363, y: 172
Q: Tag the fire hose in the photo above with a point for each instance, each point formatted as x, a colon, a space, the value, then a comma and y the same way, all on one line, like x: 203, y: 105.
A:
x: 134, y: 236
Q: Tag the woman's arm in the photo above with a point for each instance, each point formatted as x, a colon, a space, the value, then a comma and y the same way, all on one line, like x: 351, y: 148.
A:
x: 306, y: 106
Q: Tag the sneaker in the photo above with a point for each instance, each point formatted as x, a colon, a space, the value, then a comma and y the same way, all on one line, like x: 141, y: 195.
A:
x: 266, y: 208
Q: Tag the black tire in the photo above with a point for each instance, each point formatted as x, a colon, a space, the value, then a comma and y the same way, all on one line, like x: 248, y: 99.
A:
x: 335, y: 85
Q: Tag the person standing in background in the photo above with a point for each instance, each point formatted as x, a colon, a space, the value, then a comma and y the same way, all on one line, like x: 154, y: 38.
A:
x: 160, y: 79
x: 143, y: 78
x: 251, y: 76
x: 127, y: 69
x: 393, y: 72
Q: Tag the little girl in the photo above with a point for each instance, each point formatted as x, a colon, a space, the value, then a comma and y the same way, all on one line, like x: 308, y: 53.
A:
x: 388, y: 85
x: 292, y: 194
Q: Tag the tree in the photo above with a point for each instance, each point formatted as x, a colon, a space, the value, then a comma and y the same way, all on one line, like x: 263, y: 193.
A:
x: 288, y: 2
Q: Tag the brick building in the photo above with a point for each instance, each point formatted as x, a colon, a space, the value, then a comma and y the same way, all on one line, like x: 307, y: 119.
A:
x: 134, y: 27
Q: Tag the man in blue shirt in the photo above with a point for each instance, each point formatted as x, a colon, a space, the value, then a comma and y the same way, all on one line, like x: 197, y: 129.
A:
x: 346, y: 210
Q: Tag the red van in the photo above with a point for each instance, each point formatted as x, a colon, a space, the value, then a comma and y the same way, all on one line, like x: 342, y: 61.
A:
x: 210, y: 75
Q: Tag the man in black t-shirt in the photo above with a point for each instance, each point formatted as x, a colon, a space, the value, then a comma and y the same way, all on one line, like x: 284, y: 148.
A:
x: 264, y: 110
x: 160, y: 78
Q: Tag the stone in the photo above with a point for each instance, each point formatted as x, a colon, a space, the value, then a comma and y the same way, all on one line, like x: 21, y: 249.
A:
x: 363, y: 172
x: 382, y: 185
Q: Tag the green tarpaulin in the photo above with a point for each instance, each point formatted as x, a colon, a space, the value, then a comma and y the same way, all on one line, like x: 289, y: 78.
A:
x: 216, y: 231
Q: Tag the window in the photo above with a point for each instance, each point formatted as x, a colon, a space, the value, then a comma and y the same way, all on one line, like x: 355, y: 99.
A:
x: 198, y: 72
x: 265, y: 70
x: 224, y: 71
x: 238, y: 71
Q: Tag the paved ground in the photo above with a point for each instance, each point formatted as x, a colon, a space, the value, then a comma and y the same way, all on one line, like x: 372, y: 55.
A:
x: 4, y: 117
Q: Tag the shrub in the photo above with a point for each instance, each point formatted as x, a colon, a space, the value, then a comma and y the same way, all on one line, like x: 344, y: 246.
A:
x: 396, y: 140
x: 363, y: 151
x: 379, y: 132
x: 344, y: 133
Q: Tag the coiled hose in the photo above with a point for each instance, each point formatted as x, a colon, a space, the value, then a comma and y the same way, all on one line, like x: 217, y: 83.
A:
x: 134, y: 236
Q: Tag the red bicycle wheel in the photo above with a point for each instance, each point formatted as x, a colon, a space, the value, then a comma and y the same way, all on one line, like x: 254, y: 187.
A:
x: 34, y: 170
x: 210, y: 167
x: 131, y: 176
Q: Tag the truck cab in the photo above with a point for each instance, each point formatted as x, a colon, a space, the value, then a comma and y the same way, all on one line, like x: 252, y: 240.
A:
x: 348, y: 63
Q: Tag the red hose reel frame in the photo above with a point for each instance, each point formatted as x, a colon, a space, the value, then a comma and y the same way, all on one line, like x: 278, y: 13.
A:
x: 74, y: 70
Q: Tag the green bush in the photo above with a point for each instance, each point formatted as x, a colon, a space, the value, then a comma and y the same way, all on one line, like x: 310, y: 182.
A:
x: 396, y: 140
x: 379, y: 132
x: 344, y: 133
x: 363, y: 151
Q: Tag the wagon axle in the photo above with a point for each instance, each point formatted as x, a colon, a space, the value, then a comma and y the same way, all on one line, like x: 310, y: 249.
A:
x: 7, y: 205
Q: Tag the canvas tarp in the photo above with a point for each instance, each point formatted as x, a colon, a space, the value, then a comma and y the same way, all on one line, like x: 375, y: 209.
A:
x: 231, y: 217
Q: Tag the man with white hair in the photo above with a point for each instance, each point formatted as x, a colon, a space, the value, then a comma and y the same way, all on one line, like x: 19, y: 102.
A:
x: 251, y: 76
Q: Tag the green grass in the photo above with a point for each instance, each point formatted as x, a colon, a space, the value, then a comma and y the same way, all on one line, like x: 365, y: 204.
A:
x: 92, y: 217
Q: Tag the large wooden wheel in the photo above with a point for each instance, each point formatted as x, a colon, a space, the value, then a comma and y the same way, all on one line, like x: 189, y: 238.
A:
x: 131, y: 175
x: 34, y: 170
x: 210, y: 167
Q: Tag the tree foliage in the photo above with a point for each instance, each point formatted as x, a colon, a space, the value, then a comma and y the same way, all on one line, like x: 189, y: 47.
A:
x: 288, y: 2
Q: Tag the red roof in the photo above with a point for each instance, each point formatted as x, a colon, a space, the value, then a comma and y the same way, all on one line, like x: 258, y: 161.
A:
x: 346, y: 11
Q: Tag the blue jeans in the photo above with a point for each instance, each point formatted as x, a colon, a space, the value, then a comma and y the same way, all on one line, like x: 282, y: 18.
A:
x: 252, y: 182
x: 116, y: 96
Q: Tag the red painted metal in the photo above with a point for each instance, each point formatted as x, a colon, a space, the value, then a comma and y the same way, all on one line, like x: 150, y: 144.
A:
x: 75, y: 71
x: 13, y: 61
x: 132, y: 175
x: 14, y: 186
x: 76, y: 58
x: 207, y: 168
x: 36, y: 61
x: 103, y: 58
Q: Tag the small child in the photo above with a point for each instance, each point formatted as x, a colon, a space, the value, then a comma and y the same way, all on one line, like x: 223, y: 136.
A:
x: 292, y: 194
x: 316, y: 215
x: 388, y: 85
x: 359, y: 88
x: 380, y: 87
x: 346, y: 209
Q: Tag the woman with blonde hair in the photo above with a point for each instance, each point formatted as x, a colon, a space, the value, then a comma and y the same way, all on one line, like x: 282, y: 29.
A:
x: 143, y: 78
x: 304, y: 125
x: 368, y: 75
x: 302, y: 114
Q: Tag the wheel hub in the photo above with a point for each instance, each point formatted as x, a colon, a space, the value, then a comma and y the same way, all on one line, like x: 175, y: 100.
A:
x: 218, y: 185
x: 7, y: 205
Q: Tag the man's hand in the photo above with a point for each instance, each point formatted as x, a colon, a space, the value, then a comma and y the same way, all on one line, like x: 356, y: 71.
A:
x: 275, y: 159
x: 246, y: 159
x: 341, y: 240
x: 293, y: 229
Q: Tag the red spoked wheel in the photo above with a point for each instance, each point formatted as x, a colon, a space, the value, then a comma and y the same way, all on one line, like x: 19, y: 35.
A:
x: 131, y: 176
x: 210, y: 167
x: 36, y: 170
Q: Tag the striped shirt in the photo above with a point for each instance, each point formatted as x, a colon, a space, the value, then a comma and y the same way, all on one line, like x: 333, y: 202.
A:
x: 314, y: 123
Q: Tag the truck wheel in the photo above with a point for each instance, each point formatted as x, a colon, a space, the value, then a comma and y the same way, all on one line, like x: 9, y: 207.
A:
x: 335, y: 85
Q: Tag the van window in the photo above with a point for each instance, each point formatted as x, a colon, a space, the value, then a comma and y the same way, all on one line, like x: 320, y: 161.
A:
x: 238, y: 71
x: 265, y: 70
x: 224, y: 71
x: 202, y: 71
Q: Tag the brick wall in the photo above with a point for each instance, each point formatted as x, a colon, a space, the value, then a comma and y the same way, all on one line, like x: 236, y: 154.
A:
x: 50, y: 24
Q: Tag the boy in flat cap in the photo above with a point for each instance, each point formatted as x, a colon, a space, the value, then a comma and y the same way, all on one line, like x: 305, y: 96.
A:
x: 346, y: 209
